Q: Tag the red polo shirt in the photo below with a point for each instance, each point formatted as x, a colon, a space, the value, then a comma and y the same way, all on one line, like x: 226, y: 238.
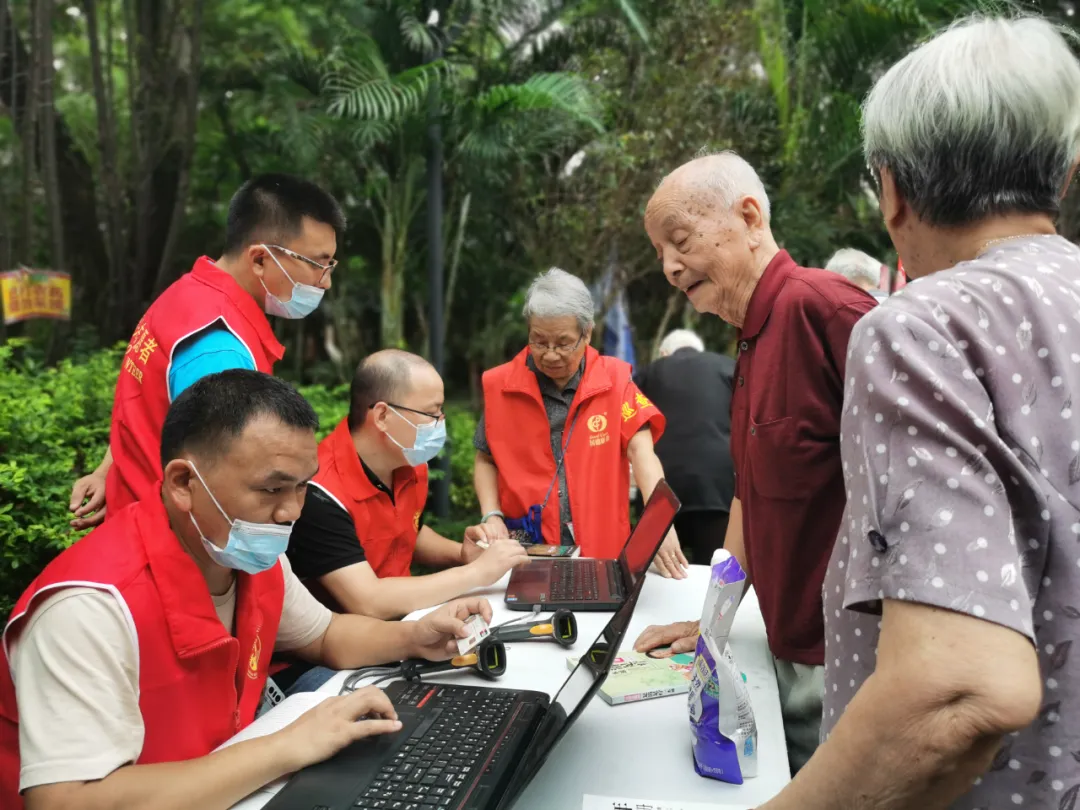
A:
x: 785, y: 442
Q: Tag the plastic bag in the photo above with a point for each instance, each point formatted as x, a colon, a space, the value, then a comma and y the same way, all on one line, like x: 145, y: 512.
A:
x: 721, y: 717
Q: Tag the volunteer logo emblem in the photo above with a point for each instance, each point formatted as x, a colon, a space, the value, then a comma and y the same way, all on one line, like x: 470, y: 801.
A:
x: 253, y: 660
x: 597, y: 423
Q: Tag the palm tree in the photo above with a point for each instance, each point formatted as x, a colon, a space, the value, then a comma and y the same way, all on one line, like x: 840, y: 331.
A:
x: 386, y: 83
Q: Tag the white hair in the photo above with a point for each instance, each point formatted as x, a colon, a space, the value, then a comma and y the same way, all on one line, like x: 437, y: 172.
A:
x: 856, y: 266
x: 982, y: 120
x: 729, y: 176
x: 556, y: 294
x: 680, y: 339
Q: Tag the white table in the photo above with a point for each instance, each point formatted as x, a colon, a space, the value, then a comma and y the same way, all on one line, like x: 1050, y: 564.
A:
x: 640, y: 750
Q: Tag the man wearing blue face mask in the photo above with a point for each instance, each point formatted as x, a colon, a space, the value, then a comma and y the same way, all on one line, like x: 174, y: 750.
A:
x: 280, y: 240
x: 142, y: 648
x: 362, y: 524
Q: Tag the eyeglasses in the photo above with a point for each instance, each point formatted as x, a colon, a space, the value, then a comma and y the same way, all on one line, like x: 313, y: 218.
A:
x: 563, y: 349
x: 438, y: 417
x: 327, y: 269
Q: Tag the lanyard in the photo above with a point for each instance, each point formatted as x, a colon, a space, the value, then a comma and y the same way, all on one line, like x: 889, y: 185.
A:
x: 562, y: 455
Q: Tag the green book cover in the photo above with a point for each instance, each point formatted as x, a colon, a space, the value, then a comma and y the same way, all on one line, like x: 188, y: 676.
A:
x: 635, y: 676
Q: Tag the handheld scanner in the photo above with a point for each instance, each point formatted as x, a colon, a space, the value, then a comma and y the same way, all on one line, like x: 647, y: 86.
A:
x: 560, y: 628
x: 489, y: 660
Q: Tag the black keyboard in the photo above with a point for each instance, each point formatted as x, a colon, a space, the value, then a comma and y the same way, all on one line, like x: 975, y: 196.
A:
x: 438, y: 763
x: 573, y: 581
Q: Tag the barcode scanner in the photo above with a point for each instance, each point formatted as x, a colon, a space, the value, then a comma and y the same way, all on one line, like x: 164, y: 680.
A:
x: 489, y: 660
x: 560, y: 628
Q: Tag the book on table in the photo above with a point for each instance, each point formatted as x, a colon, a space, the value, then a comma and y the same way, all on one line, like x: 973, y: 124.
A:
x: 638, y: 676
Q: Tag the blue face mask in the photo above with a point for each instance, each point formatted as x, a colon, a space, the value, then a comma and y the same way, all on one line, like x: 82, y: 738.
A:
x: 430, y: 439
x: 252, y: 547
x: 305, y: 298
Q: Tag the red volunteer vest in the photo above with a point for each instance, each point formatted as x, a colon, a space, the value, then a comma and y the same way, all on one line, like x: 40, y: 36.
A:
x: 387, y: 531
x: 192, y: 303
x: 609, y: 410
x: 198, y: 685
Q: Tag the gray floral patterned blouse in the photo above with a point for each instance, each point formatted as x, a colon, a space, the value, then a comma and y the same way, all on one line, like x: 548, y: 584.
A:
x: 961, y: 455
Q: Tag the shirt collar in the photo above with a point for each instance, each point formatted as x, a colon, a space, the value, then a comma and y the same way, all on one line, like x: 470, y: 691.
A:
x: 764, y: 295
x: 360, y: 482
x: 207, y: 271
x: 547, y: 386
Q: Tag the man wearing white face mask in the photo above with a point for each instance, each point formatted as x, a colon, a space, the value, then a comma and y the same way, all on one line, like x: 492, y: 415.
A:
x: 362, y: 524
x: 141, y: 649
x: 280, y: 241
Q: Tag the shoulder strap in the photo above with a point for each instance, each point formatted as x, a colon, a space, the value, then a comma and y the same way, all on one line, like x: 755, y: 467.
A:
x: 562, y: 455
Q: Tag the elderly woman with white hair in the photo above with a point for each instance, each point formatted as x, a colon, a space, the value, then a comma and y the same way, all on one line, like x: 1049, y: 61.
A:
x: 861, y: 269
x: 952, y: 600
x: 560, y: 428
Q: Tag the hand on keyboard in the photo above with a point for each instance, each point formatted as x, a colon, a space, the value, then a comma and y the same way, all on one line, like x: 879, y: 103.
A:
x: 321, y: 732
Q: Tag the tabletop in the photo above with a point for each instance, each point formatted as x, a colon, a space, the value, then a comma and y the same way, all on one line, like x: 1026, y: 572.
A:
x: 638, y: 750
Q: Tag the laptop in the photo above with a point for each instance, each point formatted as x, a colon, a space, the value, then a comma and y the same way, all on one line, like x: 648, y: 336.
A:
x: 591, y: 584
x: 460, y: 747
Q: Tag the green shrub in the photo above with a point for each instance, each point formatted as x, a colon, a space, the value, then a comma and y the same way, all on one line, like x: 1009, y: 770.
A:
x: 54, y: 427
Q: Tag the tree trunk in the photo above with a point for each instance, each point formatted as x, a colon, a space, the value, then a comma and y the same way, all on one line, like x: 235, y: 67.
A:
x: 669, y: 313
x: 187, y: 150
x: 107, y: 143
x: 28, y: 132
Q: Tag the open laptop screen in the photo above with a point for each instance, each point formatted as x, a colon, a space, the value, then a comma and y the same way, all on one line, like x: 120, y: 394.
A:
x: 648, y: 534
x: 584, y: 682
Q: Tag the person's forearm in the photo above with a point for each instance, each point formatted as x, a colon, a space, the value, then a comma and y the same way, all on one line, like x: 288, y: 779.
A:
x: 106, y: 462
x: 394, y: 597
x: 351, y: 642
x: 647, y: 471
x: 733, y: 540
x: 884, y: 754
x: 432, y: 549
x: 486, y: 481
x: 215, y: 781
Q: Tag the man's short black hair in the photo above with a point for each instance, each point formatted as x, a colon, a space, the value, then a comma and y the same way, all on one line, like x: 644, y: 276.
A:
x: 270, y: 208
x: 380, y: 377
x: 209, y: 414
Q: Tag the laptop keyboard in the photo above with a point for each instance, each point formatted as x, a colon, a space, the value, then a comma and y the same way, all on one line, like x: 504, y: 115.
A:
x: 436, y: 765
x: 573, y: 581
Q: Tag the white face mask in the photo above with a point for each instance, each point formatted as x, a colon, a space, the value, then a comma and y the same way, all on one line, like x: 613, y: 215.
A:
x: 252, y: 547
x: 305, y: 298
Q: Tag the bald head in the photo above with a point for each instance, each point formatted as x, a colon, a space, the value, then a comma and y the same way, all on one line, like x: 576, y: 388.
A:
x: 709, y: 223
x: 711, y: 180
x: 396, y: 377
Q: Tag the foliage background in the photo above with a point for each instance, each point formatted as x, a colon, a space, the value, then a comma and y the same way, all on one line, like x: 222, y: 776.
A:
x: 126, y: 125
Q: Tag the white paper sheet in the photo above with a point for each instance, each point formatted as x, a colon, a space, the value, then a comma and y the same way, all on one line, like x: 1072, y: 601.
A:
x: 590, y: 802
x: 275, y: 720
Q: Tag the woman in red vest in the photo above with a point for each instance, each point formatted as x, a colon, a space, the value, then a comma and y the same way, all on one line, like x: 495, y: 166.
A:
x: 561, y: 427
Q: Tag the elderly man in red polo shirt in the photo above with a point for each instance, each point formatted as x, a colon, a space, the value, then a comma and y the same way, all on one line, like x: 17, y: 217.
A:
x: 709, y: 222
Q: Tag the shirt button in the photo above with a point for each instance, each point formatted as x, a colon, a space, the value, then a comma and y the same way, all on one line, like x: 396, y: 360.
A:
x: 742, y: 380
x: 743, y: 346
x: 877, y: 540
x: 753, y: 431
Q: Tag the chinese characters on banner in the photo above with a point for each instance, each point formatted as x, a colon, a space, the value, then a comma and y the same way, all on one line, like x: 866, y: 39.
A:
x: 139, y: 349
x: 30, y: 294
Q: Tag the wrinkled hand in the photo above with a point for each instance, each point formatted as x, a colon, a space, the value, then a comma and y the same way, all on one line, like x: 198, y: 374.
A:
x: 435, y: 635
x: 91, y: 489
x: 670, y: 562
x: 500, y: 557
x: 470, y: 548
x: 321, y: 732
x: 681, y: 637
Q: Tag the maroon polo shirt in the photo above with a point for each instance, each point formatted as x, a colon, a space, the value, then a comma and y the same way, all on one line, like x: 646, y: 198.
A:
x: 785, y: 442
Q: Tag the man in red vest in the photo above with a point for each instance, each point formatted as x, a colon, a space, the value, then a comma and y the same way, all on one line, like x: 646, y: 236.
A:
x: 142, y: 648
x: 362, y: 524
x: 560, y: 429
x: 280, y: 240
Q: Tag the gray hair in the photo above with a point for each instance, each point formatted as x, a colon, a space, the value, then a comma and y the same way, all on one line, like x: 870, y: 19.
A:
x: 680, y: 339
x: 556, y: 294
x: 856, y: 266
x: 984, y: 119
x: 729, y: 176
